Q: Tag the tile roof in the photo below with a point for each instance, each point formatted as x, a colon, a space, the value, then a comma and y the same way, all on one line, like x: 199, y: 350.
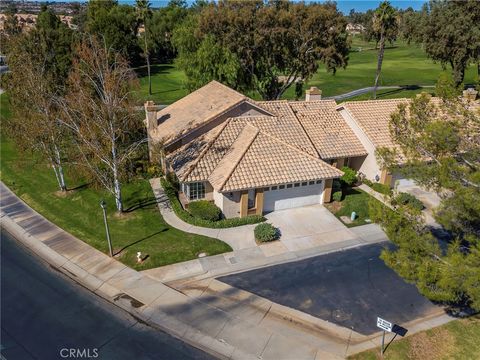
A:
x: 326, y: 128
x: 194, y: 109
x: 269, y: 161
x: 242, y: 155
x: 373, y: 117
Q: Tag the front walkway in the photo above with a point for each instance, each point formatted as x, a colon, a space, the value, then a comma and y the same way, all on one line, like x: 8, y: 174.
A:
x: 307, y: 231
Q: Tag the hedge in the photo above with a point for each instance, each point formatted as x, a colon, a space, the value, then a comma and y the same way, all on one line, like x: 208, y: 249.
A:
x: 206, y: 210
x: 184, y: 215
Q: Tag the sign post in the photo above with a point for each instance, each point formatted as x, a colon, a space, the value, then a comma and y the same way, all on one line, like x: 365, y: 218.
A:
x: 385, y: 326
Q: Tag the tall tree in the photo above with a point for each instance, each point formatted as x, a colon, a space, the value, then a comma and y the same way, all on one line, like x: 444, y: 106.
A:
x: 117, y: 24
x: 39, y: 61
x: 99, y: 111
x: 452, y: 168
x: 451, y: 34
x: 144, y: 13
x: 384, y: 23
x: 161, y: 27
x: 261, y: 46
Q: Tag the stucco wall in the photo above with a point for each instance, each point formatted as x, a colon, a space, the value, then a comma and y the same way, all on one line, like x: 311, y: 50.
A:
x: 230, y: 205
x: 369, y: 166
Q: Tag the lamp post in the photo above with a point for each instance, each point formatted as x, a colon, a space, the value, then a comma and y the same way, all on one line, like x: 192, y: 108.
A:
x: 103, y: 205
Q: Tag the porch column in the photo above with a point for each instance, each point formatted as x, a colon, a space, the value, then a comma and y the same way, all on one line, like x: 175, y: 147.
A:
x: 386, y: 177
x: 244, y: 203
x: 327, y: 191
x: 259, y: 202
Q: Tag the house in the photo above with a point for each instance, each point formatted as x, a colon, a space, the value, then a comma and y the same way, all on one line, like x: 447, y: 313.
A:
x: 254, y: 157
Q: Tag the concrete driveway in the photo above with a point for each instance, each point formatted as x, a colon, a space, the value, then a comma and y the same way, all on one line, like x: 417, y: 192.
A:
x: 309, y: 226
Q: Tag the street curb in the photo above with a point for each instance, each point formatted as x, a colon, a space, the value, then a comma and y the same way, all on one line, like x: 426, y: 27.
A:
x: 101, y: 288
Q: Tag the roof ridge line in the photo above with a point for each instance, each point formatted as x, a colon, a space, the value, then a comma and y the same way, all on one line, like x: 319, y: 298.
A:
x: 303, y: 128
x: 204, y: 151
x: 299, y: 150
x: 241, y: 156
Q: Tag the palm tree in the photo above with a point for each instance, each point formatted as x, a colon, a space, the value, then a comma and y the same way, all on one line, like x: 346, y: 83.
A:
x: 385, y: 24
x: 143, y: 13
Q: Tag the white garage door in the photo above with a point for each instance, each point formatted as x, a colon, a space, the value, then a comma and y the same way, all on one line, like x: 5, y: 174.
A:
x: 287, y: 198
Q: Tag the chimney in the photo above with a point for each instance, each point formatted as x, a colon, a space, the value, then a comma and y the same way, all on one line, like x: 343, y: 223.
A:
x: 150, y: 115
x: 313, y: 94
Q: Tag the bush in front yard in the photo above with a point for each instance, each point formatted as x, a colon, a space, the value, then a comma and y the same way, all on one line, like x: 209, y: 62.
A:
x: 205, y: 210
x: 349, y: 176
x: 409, y: 200
x: 265, y: 232
x: 337, y: 196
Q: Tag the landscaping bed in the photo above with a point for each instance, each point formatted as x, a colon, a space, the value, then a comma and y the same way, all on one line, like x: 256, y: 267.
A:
x: 184, y: 215
x: 139, y: 228
x: 353, y: 199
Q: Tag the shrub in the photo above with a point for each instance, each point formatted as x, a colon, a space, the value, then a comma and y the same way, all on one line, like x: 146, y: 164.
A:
x: 184, y: 215
x: 336, y: 185
x: 409, y: 200
x: 265, y: 232
x: 204, y: 209
x: 349, y: 176
x: 337, y: 196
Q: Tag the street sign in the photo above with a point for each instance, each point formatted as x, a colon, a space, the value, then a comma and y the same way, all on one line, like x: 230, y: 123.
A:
x: 384, y: 324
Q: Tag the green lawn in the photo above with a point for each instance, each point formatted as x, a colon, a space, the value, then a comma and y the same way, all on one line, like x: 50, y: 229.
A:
x: 403, y: 65
x: 457, y: 340
x: 141, y: 228
x: 353, y: 200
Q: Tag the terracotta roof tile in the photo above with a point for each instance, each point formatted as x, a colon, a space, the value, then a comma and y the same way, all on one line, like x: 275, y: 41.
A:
x: 269, y: 161
x: 193, y: 110
x: 373, y: 117
x: 328, y: 131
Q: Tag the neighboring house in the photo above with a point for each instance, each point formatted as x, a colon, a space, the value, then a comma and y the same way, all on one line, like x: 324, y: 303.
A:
x: 370, y: 122
x: 254, y: 157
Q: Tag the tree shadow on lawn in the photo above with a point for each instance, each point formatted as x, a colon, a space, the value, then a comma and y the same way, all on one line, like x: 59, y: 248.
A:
x: 142, y: 71
x: 119, y: 251
x: 142, y: 204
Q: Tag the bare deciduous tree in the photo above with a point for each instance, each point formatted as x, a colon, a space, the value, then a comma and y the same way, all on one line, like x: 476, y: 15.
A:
x: 35, y: 123
x: 100, y: 112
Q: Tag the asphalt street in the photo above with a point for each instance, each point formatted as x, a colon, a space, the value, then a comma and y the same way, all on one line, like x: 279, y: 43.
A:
x: 45, y: 315
x: 349, y: 288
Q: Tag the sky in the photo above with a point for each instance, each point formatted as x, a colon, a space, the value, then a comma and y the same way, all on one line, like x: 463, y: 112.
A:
x: 343, y: 5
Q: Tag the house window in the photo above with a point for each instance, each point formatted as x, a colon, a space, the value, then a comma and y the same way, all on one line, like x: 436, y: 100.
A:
x: 281, y: 187
x: 319, y: 181
x: 296, y: 184
x: 289, y: 186
x: 266, y: 189
x: 304, y: 183
x: 194, y: 191
x: 311, y: 182
x: 274, y: 188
